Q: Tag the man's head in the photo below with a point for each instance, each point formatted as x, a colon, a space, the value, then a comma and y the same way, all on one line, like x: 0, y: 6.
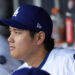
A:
x: 31, y: 29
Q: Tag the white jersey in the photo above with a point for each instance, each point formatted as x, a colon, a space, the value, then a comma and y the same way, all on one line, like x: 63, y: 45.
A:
x: 59, y: 62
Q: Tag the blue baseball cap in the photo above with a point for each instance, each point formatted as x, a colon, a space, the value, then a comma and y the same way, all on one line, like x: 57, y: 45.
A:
x: 30, y: 17
x: 30, y: 71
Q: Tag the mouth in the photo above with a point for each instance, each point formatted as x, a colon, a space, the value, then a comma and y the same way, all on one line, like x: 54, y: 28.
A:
x: 12, y: 48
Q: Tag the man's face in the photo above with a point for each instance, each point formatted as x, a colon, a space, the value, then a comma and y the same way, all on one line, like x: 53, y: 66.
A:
x: 22, y: 46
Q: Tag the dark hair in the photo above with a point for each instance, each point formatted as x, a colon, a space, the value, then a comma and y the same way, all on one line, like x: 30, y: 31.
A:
x: 48, y: 42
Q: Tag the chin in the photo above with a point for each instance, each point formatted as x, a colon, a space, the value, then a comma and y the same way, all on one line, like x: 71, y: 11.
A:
x: 16, y: 57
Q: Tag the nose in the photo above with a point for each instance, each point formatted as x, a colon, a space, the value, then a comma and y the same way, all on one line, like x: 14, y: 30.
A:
x: 10, y: 39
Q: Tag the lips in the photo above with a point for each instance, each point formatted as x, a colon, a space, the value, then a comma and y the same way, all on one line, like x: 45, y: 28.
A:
x: 12, y: 48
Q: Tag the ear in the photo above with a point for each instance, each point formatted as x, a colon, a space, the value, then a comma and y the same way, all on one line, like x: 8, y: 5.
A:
x: 40, y: 37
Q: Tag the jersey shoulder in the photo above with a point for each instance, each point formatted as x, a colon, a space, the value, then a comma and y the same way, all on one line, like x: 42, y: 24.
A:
x: 64, y: 52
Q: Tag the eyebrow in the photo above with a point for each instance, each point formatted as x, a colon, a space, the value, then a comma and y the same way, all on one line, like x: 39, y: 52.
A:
x: 14, y: 29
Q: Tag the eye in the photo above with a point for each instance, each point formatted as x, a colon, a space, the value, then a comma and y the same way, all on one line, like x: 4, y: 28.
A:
x: 17, y: 32
x: 10, y: 32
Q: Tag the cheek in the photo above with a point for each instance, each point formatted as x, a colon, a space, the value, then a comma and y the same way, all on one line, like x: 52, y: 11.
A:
x: 23, y: 47
x: 23, y: 43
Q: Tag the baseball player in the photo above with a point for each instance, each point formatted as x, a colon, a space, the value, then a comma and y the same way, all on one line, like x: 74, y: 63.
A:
x: 30, y: 40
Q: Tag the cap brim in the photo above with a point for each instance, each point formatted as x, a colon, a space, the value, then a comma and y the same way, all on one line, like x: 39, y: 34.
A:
x: 13, y: 23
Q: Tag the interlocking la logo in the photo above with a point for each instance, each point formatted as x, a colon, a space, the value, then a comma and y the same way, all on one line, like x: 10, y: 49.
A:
x: 16, y: 12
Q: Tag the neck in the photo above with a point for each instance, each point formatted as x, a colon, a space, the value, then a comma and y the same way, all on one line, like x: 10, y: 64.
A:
x: 37, y: 58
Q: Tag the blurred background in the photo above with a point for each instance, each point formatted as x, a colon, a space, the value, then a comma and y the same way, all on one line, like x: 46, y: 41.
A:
x: 62, y: 13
